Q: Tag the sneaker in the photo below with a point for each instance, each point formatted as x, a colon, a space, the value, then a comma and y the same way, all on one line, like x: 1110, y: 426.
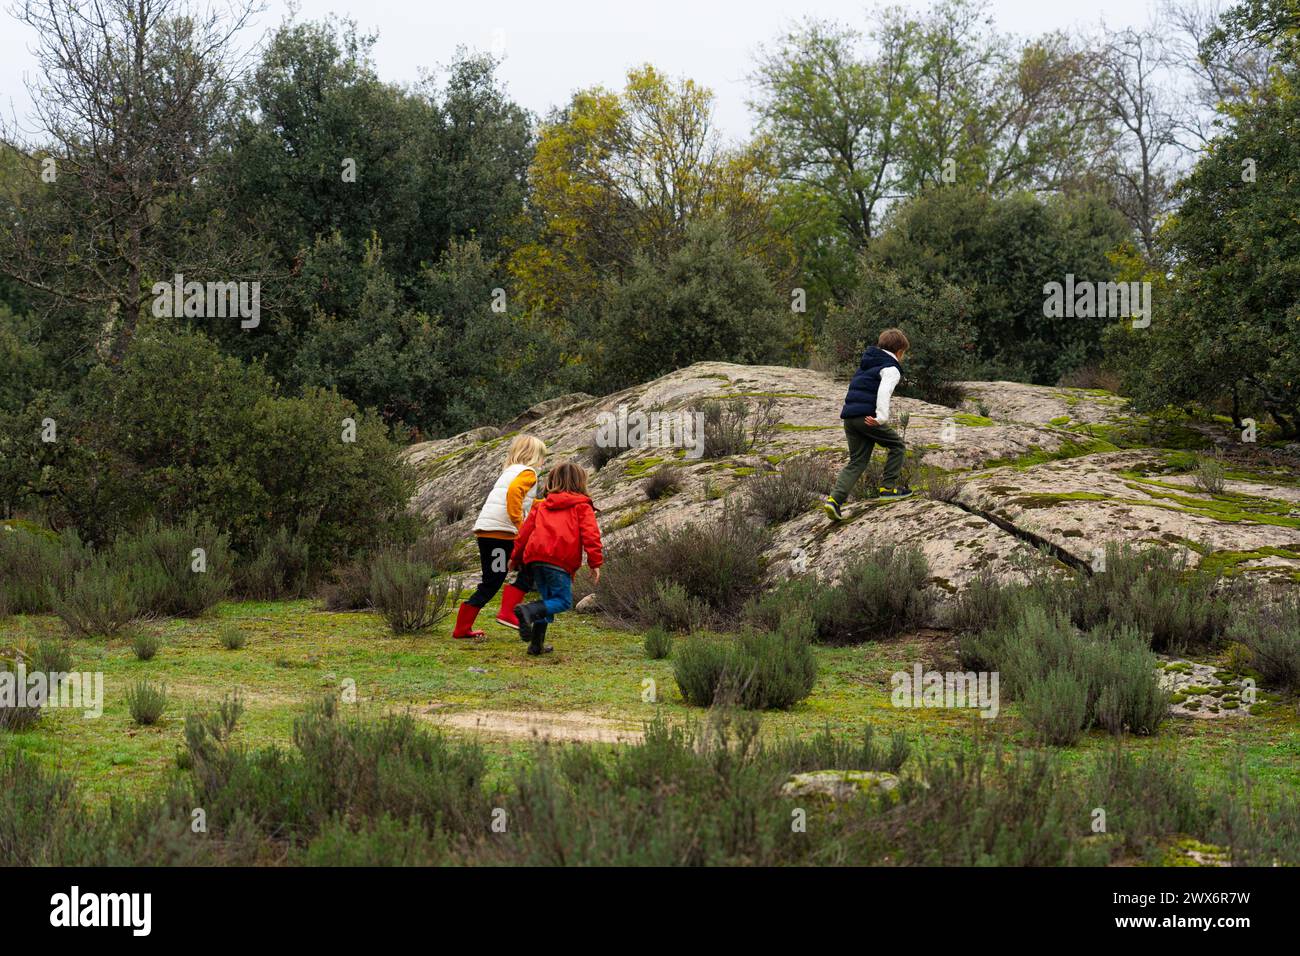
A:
x: 833, y: 509
x: 893, y: 494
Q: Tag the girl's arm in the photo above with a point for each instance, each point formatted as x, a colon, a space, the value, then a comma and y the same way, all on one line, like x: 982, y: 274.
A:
x: 521, y: 540
x: 589, y: 534
x: 516, y: 494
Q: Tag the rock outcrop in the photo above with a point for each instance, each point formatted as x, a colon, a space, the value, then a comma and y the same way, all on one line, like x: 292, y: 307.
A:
x: 1041, y: 473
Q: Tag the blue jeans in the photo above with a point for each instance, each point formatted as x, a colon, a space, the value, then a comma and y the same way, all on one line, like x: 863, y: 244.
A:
x: 555, y: 587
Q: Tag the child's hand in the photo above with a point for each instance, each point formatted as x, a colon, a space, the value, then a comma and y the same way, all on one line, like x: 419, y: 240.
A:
x: 871, y: 421
x: 595, y: 575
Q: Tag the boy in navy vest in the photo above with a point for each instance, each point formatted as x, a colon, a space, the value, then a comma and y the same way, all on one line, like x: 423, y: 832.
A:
x: 865, y: 412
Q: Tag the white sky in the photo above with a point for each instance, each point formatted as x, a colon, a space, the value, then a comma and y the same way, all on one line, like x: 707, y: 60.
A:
x: 553, y: 47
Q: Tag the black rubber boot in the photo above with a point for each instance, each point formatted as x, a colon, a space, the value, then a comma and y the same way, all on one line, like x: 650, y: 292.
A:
x: 526, y: 614
x: 535, y: 646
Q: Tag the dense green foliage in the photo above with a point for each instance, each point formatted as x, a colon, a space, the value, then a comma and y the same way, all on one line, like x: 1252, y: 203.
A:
x: 179, y: 428
x: 355, y: 792
x: 437, y: 254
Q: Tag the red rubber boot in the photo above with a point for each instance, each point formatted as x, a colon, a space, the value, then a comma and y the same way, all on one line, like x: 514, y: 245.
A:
x: 510, y: 598
x: 465, y: 622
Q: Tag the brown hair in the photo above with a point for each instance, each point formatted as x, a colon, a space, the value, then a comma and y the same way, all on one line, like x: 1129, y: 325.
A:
x: 567, y: 476
x: 893, y: 340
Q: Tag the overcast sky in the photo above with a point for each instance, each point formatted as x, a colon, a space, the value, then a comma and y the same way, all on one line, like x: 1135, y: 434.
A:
x: 553, y: 47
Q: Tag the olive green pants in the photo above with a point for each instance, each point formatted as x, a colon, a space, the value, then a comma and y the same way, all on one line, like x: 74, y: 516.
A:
x: 863, y: 439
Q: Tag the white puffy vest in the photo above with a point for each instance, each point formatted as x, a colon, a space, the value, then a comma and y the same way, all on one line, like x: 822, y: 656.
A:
x: 493, y: 516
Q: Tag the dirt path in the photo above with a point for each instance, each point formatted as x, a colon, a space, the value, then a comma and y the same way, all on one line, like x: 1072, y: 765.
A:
x: 574, y: 725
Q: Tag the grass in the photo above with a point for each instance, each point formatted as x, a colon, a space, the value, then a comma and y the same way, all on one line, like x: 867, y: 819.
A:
x: 297, y: 652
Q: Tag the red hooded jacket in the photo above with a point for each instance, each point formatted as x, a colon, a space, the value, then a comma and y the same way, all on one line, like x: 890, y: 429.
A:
x: 559, y: 528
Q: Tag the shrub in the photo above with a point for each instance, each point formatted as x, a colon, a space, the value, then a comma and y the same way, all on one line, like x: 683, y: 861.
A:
x: 17, y: 719
x: 453, y: 509
x: 603, y: 451
x: 232, y: 637
x: 207, y: 731
x: 1272, y: 636
x: 826, y: 751
x: 1210, y: 475
x: 658, y: 643
x: 1148, y: 797
x: 14, y: 717
x: 788, y: 493
x: 672, y: 607
x: 718, y: 563
x: 731, y: 427
x: 439, y: 547
x: 402, y: 591
x: 1055, y: 704
x: 880, y: 594
x: 1112, y: 670
x: 703, y: 666
x: 169, y: 576
x: 1128, y: 697
x: 758, y: 670
x: 1155, y: 592
x: 784, y: 666
x: 348, y: 587
x: 939, y: 485
x: 181, y: 427
x: 389, y: 791
x: 983, y: 603
x: 279, y: 564
x: 39, y: 809
x: 664, y: 483
x: 146, y: 702
x: 31, y: 564
x: 145, y: 644
x: 100, y: 600
x: 340, y: 770
x: 52, y: 657
x: 767, y: 609
x: 382, y: 842
x: 1237, y: 656
x: 994, y: 808
x: 685, y: 796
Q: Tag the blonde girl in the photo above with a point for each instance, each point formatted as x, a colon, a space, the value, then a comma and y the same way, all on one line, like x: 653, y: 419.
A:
x: 498, y: 523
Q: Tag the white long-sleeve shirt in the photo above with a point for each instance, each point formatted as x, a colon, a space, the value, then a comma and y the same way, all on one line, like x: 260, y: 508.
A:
x: 889, y: 378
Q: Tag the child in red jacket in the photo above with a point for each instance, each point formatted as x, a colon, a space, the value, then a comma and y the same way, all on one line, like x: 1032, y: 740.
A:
x: 559, y: 528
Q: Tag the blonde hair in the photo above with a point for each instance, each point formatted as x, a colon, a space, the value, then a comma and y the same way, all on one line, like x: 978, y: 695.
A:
x: 526, y: 450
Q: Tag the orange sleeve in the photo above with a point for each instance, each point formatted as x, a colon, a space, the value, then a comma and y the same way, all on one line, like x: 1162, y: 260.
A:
x: 516, y: 494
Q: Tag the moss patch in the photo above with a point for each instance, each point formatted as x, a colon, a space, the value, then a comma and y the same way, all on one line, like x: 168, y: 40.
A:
x: 972, y: 421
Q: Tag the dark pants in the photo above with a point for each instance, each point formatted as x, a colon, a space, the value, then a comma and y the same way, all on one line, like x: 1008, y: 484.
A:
x: 494, y: 557
x: 555, y: 586
x: 863, y: 439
